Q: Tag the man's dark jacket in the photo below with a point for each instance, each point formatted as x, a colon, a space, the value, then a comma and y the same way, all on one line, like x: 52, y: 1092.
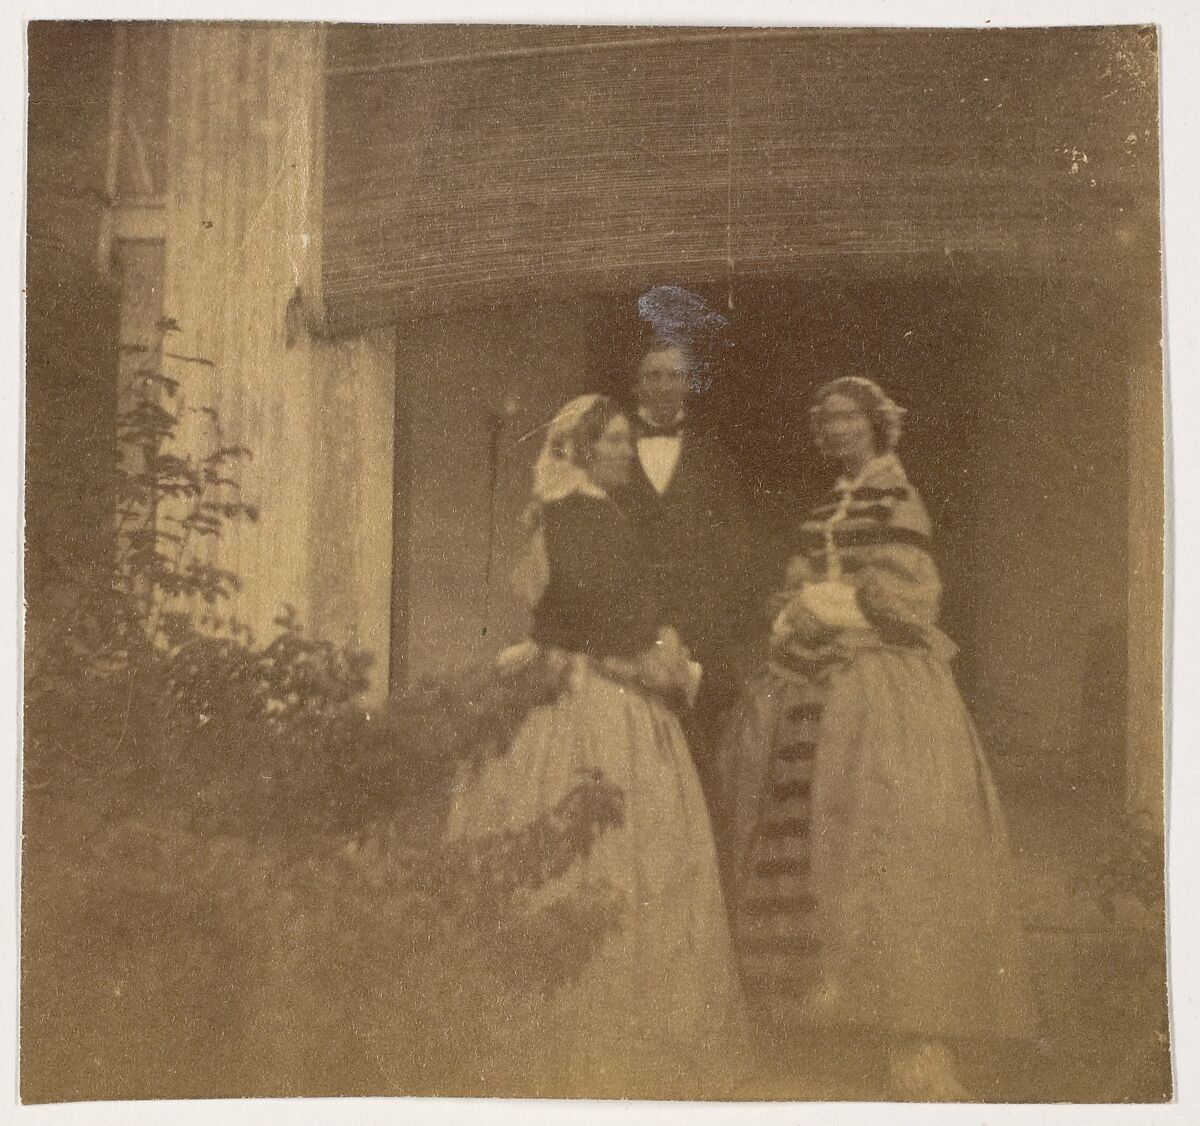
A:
x: 695, y: 540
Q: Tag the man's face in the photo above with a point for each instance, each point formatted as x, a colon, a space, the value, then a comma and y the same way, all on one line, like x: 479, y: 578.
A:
x: 662, y: 385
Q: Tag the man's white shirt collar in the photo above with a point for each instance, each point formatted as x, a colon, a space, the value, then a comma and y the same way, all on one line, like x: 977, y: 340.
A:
x: 659, y: 455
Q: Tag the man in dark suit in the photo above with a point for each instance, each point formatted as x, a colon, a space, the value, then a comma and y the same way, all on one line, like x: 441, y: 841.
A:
x: 689, y: 513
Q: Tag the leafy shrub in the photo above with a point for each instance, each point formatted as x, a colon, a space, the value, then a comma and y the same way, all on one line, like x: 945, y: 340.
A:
x: 234, y: 881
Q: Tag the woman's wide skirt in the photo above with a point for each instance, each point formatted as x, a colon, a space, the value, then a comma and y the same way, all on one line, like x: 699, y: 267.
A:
x: 867, y: 860
x: 659, y: 1010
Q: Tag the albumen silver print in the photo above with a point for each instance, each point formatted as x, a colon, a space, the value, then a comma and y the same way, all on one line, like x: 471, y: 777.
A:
x: 593, y: 562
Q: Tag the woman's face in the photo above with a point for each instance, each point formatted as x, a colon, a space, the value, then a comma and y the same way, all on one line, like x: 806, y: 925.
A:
x: 612, y: 456
x: 845, y: 431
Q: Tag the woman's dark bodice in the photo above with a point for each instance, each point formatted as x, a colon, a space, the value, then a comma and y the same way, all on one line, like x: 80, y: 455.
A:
x: 598, y: 599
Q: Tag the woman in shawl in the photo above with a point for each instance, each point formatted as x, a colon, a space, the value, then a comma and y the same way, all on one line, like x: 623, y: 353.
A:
x: 659, y: 1009
x: 867, y: 867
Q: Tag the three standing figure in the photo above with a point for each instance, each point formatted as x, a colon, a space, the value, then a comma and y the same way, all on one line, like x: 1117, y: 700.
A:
x: 867, y: 884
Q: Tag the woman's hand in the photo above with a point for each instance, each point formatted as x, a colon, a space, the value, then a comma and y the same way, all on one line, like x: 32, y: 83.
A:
x: 798, y: 573
x: 797, y: 576
x: 834, y: 605
x: 670, y: 642
x: 796, y: 622
x: 665, y: 669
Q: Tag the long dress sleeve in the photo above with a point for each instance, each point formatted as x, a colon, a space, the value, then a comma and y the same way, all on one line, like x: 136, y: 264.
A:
x: 898, y: 591
x: 896, y: 580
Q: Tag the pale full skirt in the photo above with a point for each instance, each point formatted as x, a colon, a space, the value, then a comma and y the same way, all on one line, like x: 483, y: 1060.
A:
x: 659, y: 1010
x: 900, y: 914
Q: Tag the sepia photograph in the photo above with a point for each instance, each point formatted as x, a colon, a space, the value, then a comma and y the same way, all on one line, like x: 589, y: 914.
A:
x: 597, y: 562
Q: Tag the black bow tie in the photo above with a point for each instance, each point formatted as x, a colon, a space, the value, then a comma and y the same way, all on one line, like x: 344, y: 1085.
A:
x: 649, y: 430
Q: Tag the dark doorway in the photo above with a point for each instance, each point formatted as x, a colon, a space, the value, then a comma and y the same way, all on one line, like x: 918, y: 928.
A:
x: 919, y: 337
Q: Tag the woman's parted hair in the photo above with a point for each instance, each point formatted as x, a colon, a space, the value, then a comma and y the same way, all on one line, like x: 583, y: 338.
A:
x: 586, y: 432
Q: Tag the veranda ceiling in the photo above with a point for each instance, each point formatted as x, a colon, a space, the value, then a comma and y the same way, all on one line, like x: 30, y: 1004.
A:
x: 466, y: 165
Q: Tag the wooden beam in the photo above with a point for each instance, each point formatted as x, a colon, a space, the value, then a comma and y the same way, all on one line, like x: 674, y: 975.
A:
x: 402, y: 477
x: 1145, y: 740
x: 143, y: 222
x: 311, y: 284
x: 116, y: 117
